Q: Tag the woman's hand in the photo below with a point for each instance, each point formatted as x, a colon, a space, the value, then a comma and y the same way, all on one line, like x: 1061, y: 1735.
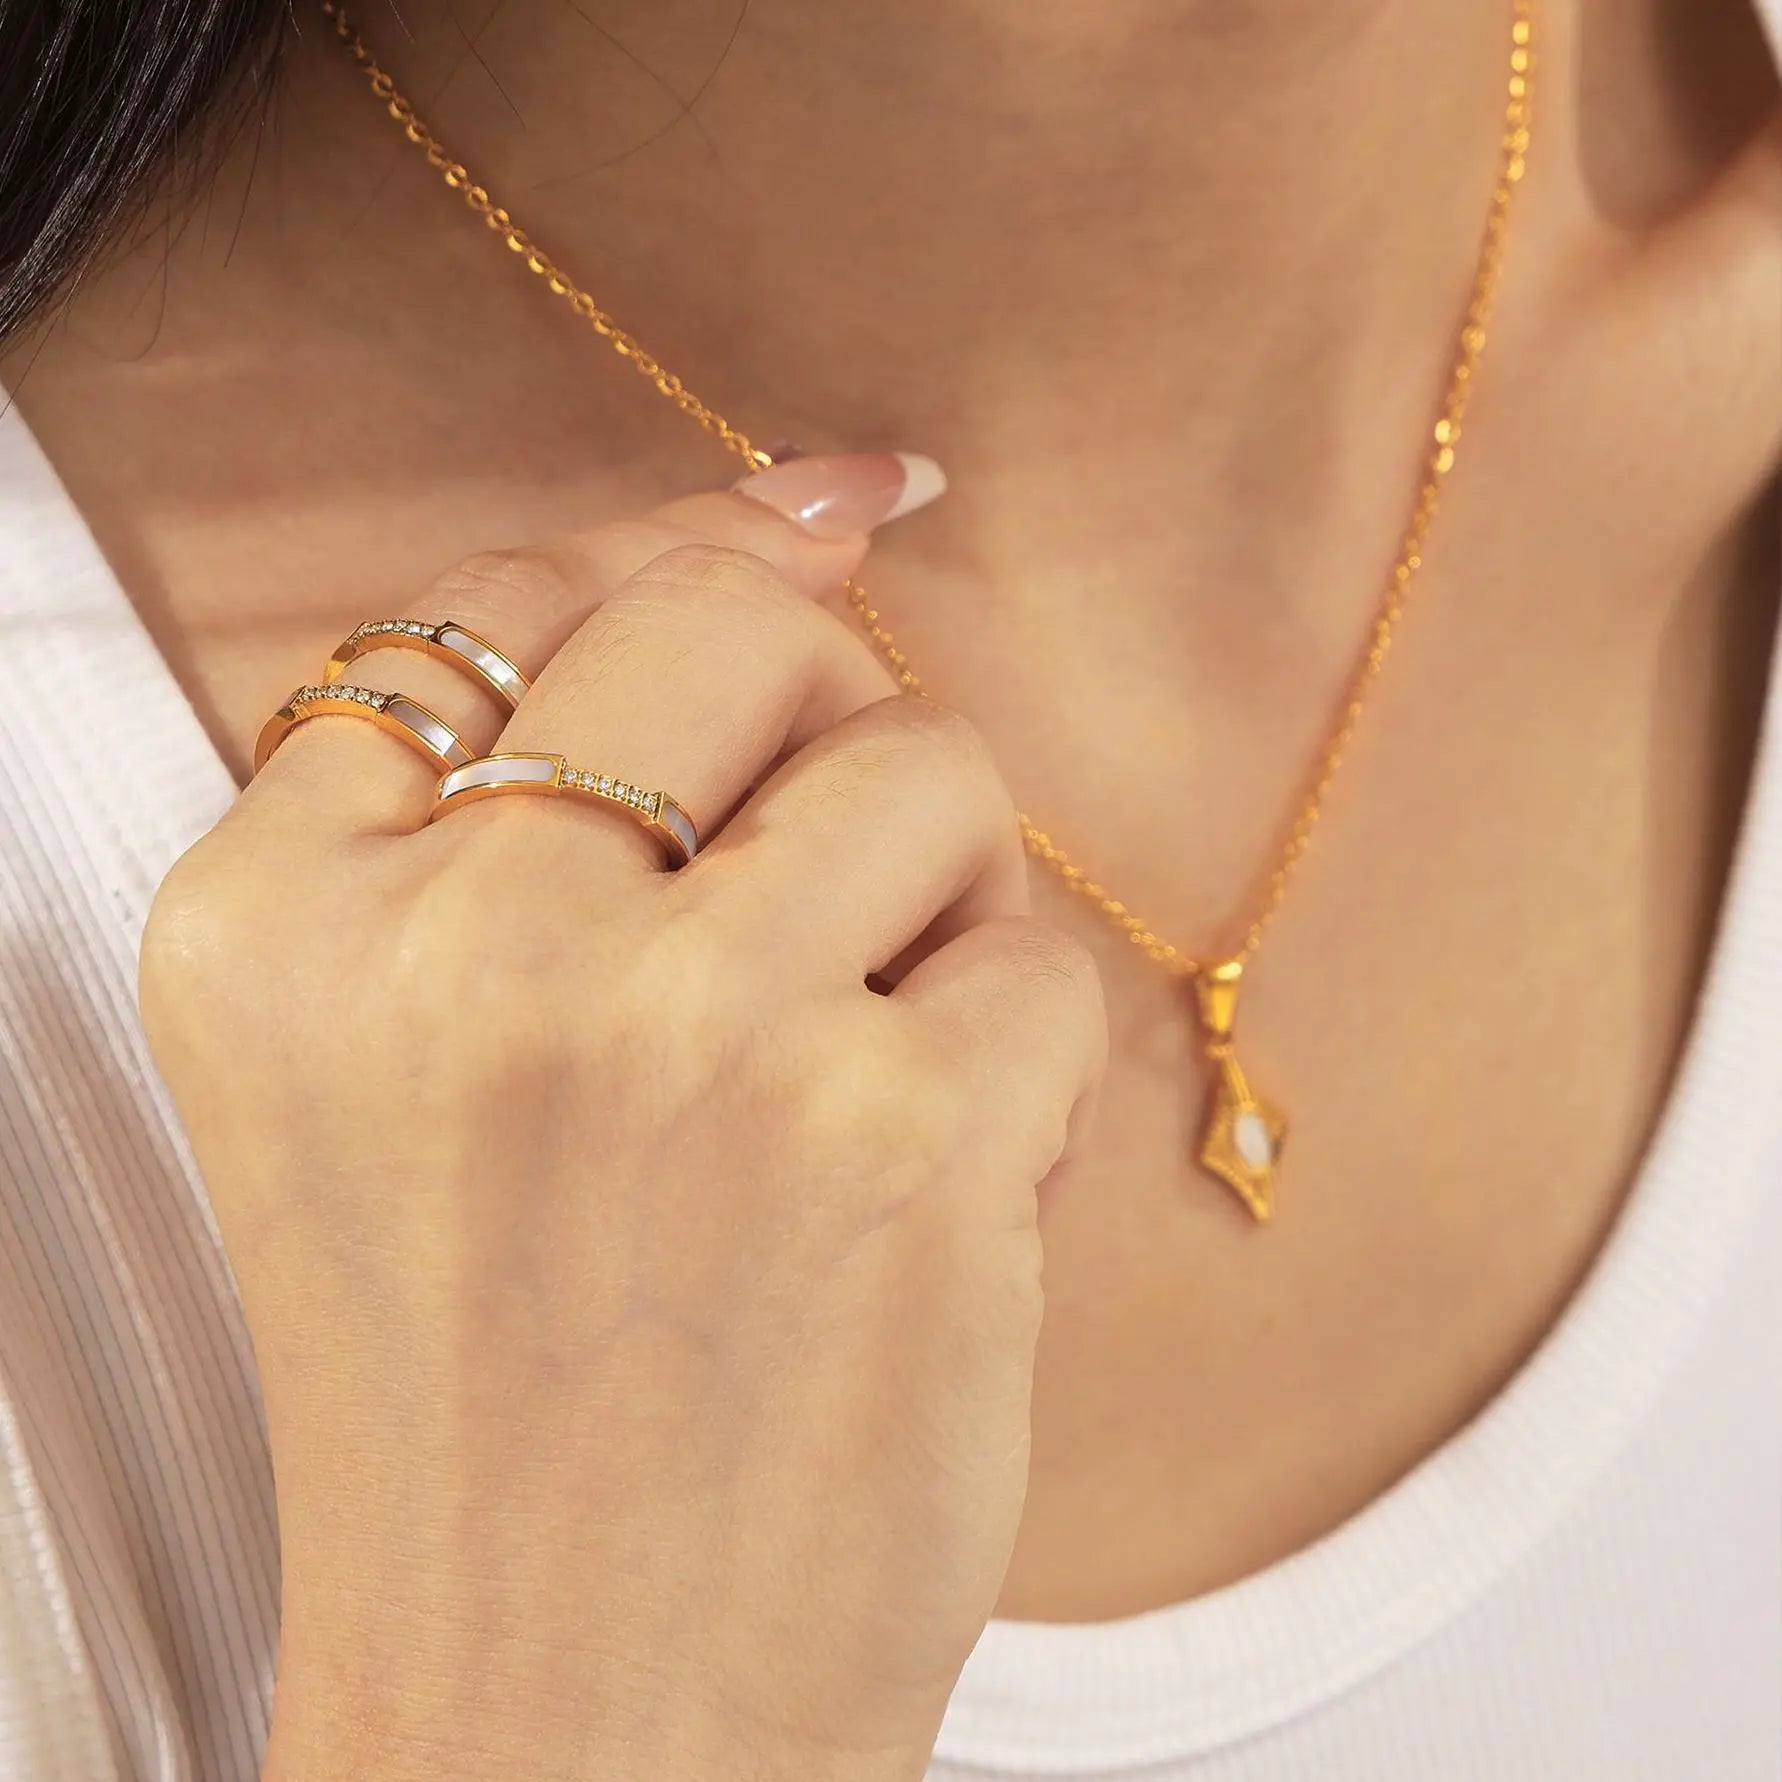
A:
x: 645, y: 1306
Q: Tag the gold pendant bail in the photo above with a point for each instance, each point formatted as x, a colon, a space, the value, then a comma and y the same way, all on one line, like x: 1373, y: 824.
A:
x: 1217, y: 988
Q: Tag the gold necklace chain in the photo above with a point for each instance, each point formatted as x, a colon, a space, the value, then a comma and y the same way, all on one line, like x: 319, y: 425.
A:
x: 1230, y: 1148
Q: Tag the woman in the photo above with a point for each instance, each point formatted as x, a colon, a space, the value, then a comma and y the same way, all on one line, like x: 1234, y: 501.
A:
x: 642, y: 1266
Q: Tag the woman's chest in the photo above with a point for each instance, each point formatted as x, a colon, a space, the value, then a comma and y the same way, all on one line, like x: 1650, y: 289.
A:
x: 1472, y: 1016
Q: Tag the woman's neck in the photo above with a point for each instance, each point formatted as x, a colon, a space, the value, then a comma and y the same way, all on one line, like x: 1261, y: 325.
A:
x: 1216, y: 251
x: 874, y: 210
x: 1169, y: 289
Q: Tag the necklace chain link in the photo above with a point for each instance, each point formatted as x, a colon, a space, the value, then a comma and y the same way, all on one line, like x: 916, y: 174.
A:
x: 1442, y: 446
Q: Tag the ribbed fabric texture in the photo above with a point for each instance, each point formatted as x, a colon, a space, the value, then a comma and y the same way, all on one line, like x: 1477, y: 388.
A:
x: 138, y: 1553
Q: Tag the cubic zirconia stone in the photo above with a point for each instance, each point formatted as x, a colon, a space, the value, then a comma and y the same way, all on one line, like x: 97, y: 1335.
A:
x: 606, y: 784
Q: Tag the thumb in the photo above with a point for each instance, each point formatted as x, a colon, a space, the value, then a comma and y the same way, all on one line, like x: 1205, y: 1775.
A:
x: 811, y: 518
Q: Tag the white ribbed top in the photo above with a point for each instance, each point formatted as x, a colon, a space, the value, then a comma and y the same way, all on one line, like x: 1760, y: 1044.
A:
x: 138, y: 1555
x: 1584, y: 1586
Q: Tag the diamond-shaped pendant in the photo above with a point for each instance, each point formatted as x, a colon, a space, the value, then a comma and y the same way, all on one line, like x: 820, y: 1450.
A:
x: 1242, y: 1138
x: 1242, y: 1135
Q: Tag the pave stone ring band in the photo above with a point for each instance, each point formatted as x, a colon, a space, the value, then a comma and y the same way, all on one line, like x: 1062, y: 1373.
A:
x: 447, y: 641
x: 495, y: 776
x: 424, y: 730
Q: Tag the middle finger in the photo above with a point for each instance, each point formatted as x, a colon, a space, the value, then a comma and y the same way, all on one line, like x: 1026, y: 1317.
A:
x: 694, y: 678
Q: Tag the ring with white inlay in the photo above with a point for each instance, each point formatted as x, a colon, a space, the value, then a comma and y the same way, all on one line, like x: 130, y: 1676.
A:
x: 425, y: 731
x: 448, y: 641
x: 496, y: 776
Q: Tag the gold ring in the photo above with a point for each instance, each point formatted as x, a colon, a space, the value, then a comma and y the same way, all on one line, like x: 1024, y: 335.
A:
x: 495, y: 776
x: 426, y: 732
x: 448, y: 641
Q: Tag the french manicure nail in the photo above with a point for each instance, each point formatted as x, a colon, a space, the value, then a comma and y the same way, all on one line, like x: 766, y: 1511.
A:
x: 846, y: 493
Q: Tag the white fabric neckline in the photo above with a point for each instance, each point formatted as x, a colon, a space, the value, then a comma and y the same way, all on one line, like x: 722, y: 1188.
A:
x: 1185, y: 1679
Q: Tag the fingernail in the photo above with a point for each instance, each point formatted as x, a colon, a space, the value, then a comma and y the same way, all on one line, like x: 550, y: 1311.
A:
x: 846, y: 493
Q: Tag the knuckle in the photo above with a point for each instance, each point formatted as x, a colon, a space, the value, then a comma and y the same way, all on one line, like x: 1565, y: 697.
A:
x: 1049, y: 956
x: 183, y: 935
x: 474, y: 941
x: 943, y: 738
x: 500, y: 584
x: 937, y: 1104
x: 932, y: 1100
x: 720, y: 575
x: 892, y: 1096
x: 223, y: 937
x: 212, y: 915
x: 468, y: 1003
x: 1060, y: 965
x: 472, y: 933
x: 725, y: 604
x: 679, y: 970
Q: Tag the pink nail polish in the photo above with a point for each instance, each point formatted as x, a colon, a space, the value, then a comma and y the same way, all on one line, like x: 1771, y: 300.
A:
x: 846, y: 493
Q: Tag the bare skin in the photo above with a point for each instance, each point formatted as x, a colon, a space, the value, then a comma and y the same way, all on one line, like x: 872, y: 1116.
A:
x: 1177, y: 341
